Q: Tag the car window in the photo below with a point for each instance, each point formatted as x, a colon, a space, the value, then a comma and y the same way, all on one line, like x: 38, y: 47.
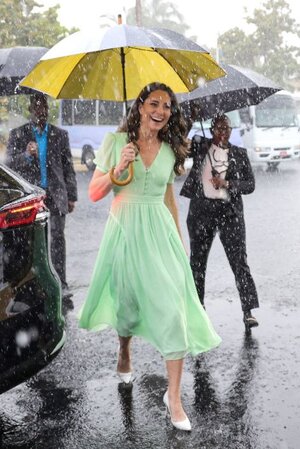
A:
x: 10, y: 189
x: 8, y: 195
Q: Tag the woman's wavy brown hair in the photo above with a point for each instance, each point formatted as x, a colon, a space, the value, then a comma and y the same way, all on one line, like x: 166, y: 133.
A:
x: 173, y: 133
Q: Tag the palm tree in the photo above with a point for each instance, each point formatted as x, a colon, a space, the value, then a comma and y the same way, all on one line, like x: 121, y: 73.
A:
x: 138, y: 12
x: 160, y: 13
x: 107, y: 21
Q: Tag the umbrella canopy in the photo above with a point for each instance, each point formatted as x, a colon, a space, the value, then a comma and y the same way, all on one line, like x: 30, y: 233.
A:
x: 240, y: 87
x: 15, y: 63
x: 117, y: 63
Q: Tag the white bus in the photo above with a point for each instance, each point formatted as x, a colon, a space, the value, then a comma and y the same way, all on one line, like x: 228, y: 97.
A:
x: 87, y: 122
x: 296, y: 97
x: 271, y: 130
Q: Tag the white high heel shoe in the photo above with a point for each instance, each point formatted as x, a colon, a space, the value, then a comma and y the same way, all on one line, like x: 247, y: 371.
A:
x: 125, y: 377
x: 181, y: 425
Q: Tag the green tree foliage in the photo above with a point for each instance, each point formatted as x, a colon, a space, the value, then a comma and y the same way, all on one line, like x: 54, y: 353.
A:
x: 159, y: 14
x: 267, y: 49
x: 236, y: 48
x: 25, y: 22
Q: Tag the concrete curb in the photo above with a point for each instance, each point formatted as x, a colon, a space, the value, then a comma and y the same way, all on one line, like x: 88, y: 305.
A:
x: 78, y: 166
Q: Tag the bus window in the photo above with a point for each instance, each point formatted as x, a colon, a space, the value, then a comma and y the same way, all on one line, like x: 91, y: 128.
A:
x: 87, y: 122
x: 66, y: 113
x: 297, y: 101
x: 84, y: 112
x: 110, y: 113
x: 276, y: 111
x: 245, y: 116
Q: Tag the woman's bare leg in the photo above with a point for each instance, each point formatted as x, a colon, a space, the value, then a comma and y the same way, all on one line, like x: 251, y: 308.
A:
x: 174, y: 370
x: 124, y: 361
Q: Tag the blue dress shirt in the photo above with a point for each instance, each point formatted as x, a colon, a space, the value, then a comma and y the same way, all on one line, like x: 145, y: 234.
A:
x: 42, y: 139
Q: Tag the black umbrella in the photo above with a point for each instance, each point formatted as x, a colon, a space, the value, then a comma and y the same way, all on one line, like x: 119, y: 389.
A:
x: 15, y: 63
x: 241, y: 87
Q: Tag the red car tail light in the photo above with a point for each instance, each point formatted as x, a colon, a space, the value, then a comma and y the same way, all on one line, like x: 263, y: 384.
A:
x: 20, y: 214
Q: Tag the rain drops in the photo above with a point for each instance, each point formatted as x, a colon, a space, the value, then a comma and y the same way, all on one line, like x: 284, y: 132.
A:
x: 25, y: 337
x: 201, y: 81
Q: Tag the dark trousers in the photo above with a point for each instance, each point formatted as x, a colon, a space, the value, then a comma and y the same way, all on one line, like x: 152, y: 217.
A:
x: 58, y: 245
x: 205, y: 219
x: 57, y: 242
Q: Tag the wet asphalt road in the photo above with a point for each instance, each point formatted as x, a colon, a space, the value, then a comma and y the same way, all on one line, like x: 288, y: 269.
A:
x: 243, y: 395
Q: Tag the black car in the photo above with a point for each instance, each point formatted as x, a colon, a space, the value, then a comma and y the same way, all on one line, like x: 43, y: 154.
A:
x: 31, y: 321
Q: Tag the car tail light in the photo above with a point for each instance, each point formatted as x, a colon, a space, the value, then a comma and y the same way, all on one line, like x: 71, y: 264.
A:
x: 23, y: 213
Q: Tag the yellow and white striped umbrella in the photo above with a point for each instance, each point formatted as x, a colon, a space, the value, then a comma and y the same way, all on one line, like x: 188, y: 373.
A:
x: 117, y: 63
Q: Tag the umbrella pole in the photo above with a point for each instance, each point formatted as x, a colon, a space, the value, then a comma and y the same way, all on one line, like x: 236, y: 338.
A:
x: 201, y: 124
x: 124, y: 77
x: 130, y: 167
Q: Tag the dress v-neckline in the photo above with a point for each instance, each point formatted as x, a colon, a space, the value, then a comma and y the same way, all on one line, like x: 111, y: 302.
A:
x: 147, y: 168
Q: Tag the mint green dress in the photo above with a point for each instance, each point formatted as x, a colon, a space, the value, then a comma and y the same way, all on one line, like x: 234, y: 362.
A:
x: 142, y: 283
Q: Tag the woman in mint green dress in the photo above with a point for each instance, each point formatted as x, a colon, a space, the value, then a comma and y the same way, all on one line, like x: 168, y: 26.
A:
x: 142, y: 283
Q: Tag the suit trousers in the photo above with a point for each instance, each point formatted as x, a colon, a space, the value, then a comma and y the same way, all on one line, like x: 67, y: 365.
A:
x: 58, y: 245
x: 205, y: 219
x: 58, y: 241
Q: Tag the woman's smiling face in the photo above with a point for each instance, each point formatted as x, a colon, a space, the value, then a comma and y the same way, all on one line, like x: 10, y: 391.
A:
x: 155, y: 111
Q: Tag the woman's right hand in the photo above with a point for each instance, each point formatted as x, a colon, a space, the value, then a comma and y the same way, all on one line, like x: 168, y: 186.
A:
x: 128, y: 154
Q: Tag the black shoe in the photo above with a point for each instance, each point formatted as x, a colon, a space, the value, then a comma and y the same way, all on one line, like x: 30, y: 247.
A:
x: 67, y: 303
x: 249, y: 320
x: 66, y: 292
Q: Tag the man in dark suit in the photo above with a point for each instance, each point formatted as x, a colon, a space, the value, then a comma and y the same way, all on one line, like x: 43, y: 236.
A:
x: 220, y: 175
x: 40, y: 152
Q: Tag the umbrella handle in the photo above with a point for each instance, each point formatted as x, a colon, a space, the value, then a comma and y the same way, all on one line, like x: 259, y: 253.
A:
x: 125, y: 181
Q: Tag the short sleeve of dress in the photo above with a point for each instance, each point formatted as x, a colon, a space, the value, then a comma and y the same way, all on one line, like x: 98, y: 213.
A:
x: 172, y: 177
x: 106, y: 156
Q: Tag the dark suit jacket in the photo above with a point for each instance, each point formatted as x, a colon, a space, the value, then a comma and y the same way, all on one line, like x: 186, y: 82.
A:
x: 239, y: 173
x: 61, y: 175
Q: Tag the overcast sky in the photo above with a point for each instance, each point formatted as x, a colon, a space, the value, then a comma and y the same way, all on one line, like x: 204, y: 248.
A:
x: 206, y: 20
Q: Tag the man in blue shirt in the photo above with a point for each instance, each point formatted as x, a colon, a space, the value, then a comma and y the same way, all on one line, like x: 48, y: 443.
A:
x: 40, y: 152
